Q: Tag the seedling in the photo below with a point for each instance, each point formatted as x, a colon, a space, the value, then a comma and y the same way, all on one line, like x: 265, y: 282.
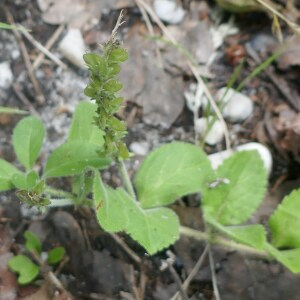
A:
x: 229, y: 195
x: 25, y: 267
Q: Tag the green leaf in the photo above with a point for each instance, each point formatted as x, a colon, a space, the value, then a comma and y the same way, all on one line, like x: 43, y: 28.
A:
x: 285, y: 222
x: 113, y: 70
x: 112, y: 86
x: 289, y: 258
x: 92, y: 90
x: 96, y: 64
x: 118, y: 55
x: 25, y: 181
x: 244, y: 183
x: 32, y: 242
x: 12, y: 27
x: 82, y: 127
x: 27, y: 139
x: 27, y: 270
x: 154, y: 228
x: 252, y: 235
x: 56, y: 255
x: 10, y: 110
x: 82, y: 184
x: 73, y: 158
x: 7, y: 171
x: 172, y: 171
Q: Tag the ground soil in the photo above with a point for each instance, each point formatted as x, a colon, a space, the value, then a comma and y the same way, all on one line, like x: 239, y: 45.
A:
x: 98, y: 265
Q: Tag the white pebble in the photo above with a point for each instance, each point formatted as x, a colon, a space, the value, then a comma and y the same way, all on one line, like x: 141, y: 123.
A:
x: 214, y: 135
x: 6, y: 75
x: 216, y: 159
x: 139, y: 148
x: 238, y: 107
x: 169, y: 11
x: 72, y: 47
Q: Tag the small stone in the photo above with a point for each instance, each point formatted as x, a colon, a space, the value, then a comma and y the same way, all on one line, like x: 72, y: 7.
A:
x: 216, y: 159
x: 72, y: 47
x: 140, y: 148
x: 6, y: 75
x: 237, y: 107
x: 169, y: 11
x: 216, y: 133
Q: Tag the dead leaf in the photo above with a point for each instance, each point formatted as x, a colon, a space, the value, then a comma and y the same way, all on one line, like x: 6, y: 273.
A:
x: 291, y: 54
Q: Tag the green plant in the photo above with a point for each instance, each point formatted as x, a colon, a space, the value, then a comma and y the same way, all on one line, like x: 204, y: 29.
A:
x: 25, y: 267
x: 230, y: 195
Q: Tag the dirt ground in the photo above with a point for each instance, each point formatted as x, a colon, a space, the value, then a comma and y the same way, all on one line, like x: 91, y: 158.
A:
x: 99, y: 265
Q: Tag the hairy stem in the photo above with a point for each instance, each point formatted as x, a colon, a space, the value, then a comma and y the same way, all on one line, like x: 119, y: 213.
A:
x: 126, y: 179
x: 202, y: 236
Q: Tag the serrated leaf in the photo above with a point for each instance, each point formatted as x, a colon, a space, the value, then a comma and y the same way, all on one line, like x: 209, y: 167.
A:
x: 172, y: 171
x: 252, y: 235
x: 82, y: 127
x: 113, y: 70
x: 112, y: 86
x: 27, y: 269
x: 234, y: 202
x: 285, y: 222
x: 7, y: 171
x: 96, y: 64
x: 27, y: 140
x: 116, y: 124
x: 289, y: 258
x: 73, y: 158
x: 154, y: 228
x: 91, y: 91
x: 32, y: 242
x: 118, y: 55
x: 25, y: 181
x: 56, y: 255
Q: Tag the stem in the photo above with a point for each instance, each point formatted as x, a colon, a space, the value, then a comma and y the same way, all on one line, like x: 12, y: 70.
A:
x: 58, y: 193
x: 202, y: 236
x: 126, y: 179
x: 61, y: 202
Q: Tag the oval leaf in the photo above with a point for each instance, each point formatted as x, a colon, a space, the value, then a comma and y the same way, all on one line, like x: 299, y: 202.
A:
x: 172, y: 171
x: 73, y: 158
x: 243, y: 181
x: 25, y: 181
x: 154, y: 229
x: 27, y: 140
x: 7, y: 171
x: 27, y: 270
x: 82, y: 127
x: 112, y: 86
x: 118, y: 55
x: 56, y: 255
x: 32, y: 242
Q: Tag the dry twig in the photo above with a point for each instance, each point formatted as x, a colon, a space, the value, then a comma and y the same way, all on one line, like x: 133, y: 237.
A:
x: 48, y: 46
x: 37, y: 89
x: 45, y: 51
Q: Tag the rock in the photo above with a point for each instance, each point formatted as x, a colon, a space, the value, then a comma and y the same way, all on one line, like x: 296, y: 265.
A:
x: 215, y: 134
x: 237, y: 107
x: 169, y: 11
x: 72, y: 47
x: 6, y: 75
x: 193, y: 98
x: 140, y: 148
x: 216, y: 159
